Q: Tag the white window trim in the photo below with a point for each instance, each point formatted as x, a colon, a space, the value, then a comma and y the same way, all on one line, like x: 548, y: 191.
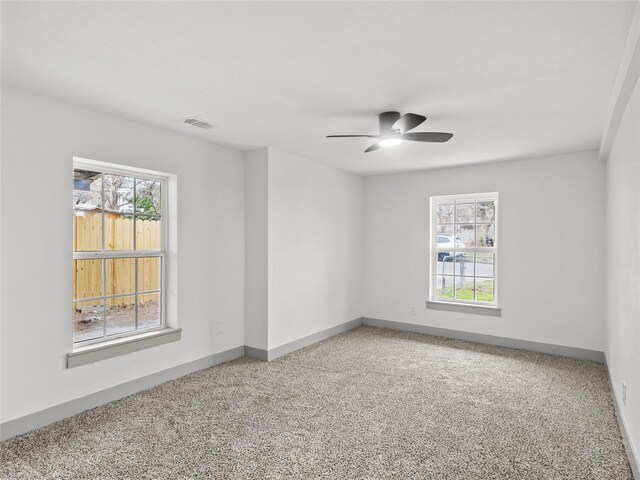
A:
x: 433, y: 250
x: 120, y: 346
x: 133, y: 336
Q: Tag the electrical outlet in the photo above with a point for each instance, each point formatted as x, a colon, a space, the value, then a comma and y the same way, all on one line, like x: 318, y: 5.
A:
x: 220, y: 327
x: 412, y: 310
x: 624, y: 393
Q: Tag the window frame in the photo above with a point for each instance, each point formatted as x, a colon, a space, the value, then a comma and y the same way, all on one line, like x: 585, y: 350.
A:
x: 434, y: 249
x: 104, y: 255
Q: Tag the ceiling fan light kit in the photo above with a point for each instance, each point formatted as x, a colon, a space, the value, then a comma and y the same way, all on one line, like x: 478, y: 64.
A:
x: 394, y: 128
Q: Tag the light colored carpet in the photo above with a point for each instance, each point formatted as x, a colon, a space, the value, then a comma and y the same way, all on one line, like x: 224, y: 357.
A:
x: 369, y: 403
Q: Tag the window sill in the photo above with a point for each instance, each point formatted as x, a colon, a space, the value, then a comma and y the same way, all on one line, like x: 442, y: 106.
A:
x: 490, y: 310
x: 121, y: 346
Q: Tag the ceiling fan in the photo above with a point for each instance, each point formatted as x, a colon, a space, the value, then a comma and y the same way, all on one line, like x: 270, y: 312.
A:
x: 394, y: 128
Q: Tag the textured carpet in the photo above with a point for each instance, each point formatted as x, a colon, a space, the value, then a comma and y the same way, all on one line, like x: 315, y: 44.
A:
x: 369, y: 403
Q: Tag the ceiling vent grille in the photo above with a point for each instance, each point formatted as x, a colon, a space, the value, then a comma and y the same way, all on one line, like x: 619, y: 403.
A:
x: 198, y: 122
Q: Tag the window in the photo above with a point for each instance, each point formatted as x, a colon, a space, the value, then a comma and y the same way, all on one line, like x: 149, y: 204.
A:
x: 464, y: 249
x: 119, y: 247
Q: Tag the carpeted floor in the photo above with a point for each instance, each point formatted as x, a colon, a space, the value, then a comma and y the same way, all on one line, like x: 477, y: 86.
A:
x: 369, y: 403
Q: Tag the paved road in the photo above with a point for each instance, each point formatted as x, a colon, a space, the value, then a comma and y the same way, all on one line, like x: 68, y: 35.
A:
x: 464, y: 268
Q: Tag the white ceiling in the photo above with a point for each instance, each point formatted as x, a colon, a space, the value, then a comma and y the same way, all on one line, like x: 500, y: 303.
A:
x: 509, y: 79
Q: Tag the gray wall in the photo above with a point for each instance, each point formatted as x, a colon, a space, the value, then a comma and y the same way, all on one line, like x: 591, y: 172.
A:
x: 551, y: 250
x: 256, y: 257
x: 40, y: 137
x: 623, y: 268
x: 315, y: 247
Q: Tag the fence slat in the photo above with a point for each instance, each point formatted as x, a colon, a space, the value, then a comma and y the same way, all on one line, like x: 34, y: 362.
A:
x: 120, y: 275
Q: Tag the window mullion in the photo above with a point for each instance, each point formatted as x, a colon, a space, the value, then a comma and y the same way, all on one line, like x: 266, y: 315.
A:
x: 135, y: 289
x: 475, y: 225
x: 135, y: 232
x: 135, y: 247
x: 102, y: 212
x: 118, y: 254
x: 163, y: 288
x: 104, y: 296
x: 117, y: 295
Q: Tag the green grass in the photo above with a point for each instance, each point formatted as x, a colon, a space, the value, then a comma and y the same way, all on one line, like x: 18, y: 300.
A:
x: 484, y: 292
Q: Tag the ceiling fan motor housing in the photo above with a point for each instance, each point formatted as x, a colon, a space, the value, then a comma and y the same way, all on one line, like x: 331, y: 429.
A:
x: 386, y: 120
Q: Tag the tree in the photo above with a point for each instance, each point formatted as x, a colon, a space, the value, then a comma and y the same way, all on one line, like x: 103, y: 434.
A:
x: 148, y: 197
x: 118, y: 196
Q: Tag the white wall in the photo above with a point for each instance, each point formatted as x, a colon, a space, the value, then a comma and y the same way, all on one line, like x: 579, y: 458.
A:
x: 623, y: 268
x: 551, y: 267
x: 40, y: 137
x: 315, y: 247
x: 256, y: 253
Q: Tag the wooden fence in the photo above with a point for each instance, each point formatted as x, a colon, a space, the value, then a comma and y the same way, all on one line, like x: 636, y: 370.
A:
x: 120, y: 272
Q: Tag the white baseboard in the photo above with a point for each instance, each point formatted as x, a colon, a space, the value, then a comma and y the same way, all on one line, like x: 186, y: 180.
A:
x: 257, y: 353
x: 45, y: 417
x: 634, y: 461
x: 565, y: 351
x: 273, y: 353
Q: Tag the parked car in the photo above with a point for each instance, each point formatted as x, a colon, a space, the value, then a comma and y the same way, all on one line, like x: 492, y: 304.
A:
x: 448, y: 241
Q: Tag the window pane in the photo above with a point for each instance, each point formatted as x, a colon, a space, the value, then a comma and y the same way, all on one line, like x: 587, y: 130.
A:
x: 87, y: 203
x: 149, y: 274
x: 149, y: 310
x: 87, y: 231
x: 458, y: 264
x: 466, y: 264
x: 464, y: 288
x: 147, y: 197
x: 485, y: 265
x: 444, y: 213
x: 121, y: 276
x: 444, y: 264
x: 442, y: 232
x: 88, y: 320
x: 148, y: 232
x: 486, y: 212
x: 118, y: 193
x: 121, y: 315
x: 444, y: 287
x: 87, y: 190
x: 465, y: 233
x: 484, y: 290
x: 118, y: 232
x: 87, y: 279
x: 465, y: 212
x: 486, y: 234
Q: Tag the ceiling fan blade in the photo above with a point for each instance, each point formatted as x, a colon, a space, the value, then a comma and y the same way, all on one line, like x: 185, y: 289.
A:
x: 408, y: 121
x: 373, y: 147
x: 350, y: 136
x: 427, y: 136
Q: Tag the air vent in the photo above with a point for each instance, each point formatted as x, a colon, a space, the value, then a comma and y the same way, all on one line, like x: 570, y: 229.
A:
x: 198, y: 122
